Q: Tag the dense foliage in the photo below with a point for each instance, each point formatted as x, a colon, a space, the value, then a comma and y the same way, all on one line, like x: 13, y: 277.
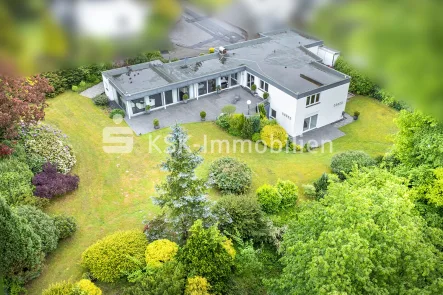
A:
x: 82, y: 287
x: 15, y: 181
x: 197, y: 286
x: 115, y: 255
x: 22, y: 101
x: 288, y: 192
x: 242, y: 216
x: 230, y: 176
x: 360, y: 83
x: 51, y: 144
x: 211, y: 261
x: 21, y: 248
x: 269, y: 198
x: 274, y: 136
x: 88, y: 287
x: 101, y: 100
x: 42, y: 225
x: 183, y: 194
x: 343, y: 163
x: 66, y: 226
x: 117, y: 112
x: 353, y: 240
x: 50, y: 183
x: 160, y: 251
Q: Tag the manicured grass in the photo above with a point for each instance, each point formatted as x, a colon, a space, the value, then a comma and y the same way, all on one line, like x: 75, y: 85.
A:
x: 115, y: 189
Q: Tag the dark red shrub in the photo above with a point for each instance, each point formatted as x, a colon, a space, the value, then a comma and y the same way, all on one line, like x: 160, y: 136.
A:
x: 49, y: 183
x: 5, y: 150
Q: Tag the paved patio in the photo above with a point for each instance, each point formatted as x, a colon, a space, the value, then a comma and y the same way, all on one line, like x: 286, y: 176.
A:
x: 190, y: 112
x: 318, y: 137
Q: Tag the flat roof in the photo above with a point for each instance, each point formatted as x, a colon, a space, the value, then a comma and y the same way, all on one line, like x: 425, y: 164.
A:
x: 280, y: 58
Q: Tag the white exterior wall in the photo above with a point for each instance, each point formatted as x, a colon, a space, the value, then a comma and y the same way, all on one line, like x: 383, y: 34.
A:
x: 282, y: 103
x: 332, y: 105
x: 110, y: 91
x: 328, y: 56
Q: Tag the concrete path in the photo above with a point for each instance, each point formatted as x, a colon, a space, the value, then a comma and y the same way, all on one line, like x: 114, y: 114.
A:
x: 94, y: 90
x: 190, y: 112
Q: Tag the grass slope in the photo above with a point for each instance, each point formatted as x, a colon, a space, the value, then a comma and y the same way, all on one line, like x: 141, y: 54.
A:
x: 115, y: 188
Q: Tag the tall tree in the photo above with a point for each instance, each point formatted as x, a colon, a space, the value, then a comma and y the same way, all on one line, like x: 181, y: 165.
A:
x: 363, y: 237
x: 183, y: 195
x: 21, y: 100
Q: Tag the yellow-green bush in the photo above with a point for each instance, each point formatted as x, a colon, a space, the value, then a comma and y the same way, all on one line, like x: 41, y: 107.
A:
x: 211, y: 50
x: 160, y: 251
x: 197, y: 286
x: 61, y: 288
x: 229, y: 247
x: 274, y: 136
x: 88, y: 287
x: 116, y: 255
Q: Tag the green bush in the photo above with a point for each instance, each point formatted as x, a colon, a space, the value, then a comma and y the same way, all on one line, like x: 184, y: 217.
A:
x: 309, y: 191
x: 256, y: 137
x: 236, y: 122
x: 88, y: 287
x: 262, y: 111
x: 230, y: 176
x: 274, y: 136
x: 203, y: 114
x: 115, y: 255
x: 82, y: 84
x: 228, y: 109
x: 288, y: 192
x: 65, y: 225
x: 223, y: 121
x: 253, y: 87
x: 197, y: 286
x: 74, y: 88
x: 360, y: 84
x: 321, y: 185
x: 117, y: 112
x: 15, y: 181
x: 101, y: 100
x: 242, y: 216
x: 42, y: 224
x: 269, y: 198
x: 265, y: 95
x: 51, y: 144
x: 343, y: 163
x: 156, y: 122
x: 160, y: 251
x: 62, y: 288
x: 388, y: 99
x: 248, y: 128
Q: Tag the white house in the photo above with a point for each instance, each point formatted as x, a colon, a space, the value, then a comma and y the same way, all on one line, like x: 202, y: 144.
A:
x: 304, y: 92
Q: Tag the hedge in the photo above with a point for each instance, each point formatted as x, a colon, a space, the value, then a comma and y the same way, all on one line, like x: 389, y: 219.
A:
x: 116, y: 255
x: 360, y: 84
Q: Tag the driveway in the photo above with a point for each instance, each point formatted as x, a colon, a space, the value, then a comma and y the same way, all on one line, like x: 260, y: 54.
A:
x: 190, y: 112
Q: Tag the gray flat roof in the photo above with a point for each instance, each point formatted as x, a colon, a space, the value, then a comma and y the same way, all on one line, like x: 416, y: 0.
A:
x: 279, y: 57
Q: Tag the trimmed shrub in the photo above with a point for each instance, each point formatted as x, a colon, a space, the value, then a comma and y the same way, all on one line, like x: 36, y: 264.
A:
x: 62, y: 288
x: 15, y: 181
x: 343, y: 163
x: 116, y: 255
x: 242, y: 216
x: 309, y: 191
x: 197, y: 286
x: 211, y: 50
x: 223, y: 121
x: 265, y: 95
x: 253, y: 87
x: 203, y: 114
x: 269, y: 198
x: 248, y: 129
x: 236, y: 122
x: 360, y: 84
x: 230, y: 176
x: 156, y: 122
x: 255, y: 123
x: 256, y: 137
x: 160, y: 251
x: 82, y: 84
x: 229, y: 109
x: 389, y: 100
x: 51, y: 144
x: 66, y: 226
x: 49, y: 183
x: 115, y: 112
x: 274, y: 136
x: 88, y: 287
x: 101, y: 100
x: 74, y: 88
x: 262, y: 111
x: 288, y: 192
x: 42, y: 224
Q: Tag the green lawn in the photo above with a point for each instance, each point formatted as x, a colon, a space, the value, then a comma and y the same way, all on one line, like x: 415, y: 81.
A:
x: 115, y: 188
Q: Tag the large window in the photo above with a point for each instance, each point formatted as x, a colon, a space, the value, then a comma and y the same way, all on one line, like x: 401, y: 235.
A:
x: 120, y: 101
x: 312, y: 99
x: 168, y: 97
x: 224, y: 82
x: 310, y: 123
x: 234, y: 79
x: 156, y: 100
x: 273, y: 114
x: 212, y: 86
x: 250, y: 80
x: 203, y: 88
x: 264, y: 86
x: 182, y: 91
x: 137, y: 105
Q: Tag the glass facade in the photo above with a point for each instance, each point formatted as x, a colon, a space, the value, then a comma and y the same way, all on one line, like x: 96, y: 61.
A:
x: 168, y: 97
x: 137, y: 105
x: 234, y: 79
x: 156, y: 100
x: 224, y: 82
x: 182, y: 91
x: 250, y: 80
x: 212, y: 86
x: 202, y: 88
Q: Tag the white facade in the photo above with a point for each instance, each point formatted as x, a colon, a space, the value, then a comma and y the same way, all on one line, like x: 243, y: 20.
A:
x: 328, y: 56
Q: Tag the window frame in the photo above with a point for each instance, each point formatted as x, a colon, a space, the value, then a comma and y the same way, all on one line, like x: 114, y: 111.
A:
x: 310, y: 127
x: 272, y: 114
x: 264, y: 86
x: 312, y: 99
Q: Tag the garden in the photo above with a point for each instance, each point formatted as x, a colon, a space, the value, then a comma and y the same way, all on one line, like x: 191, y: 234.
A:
x: 115, y: 190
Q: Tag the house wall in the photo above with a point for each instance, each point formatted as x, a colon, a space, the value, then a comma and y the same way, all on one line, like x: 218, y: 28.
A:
x: 330, y: 108
x: 328, y: 56
x: 109, y: 89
